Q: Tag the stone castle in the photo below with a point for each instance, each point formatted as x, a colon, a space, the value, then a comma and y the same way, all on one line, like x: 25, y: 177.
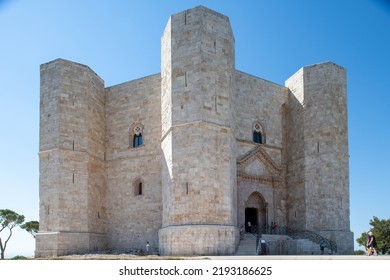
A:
x: 184, y: 158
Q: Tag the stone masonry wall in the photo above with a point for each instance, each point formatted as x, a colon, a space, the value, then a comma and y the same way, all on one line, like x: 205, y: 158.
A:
x: 258, y: 100
x: 295, y: 173
x: 133, y: 218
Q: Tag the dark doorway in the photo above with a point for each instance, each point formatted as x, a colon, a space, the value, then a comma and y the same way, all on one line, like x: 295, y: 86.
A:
x: 251, y: 216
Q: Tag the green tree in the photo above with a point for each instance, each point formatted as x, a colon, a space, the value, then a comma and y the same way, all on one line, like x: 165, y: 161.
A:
x: 31, y: 227
x: 381, y: 231
x: 8, y: 220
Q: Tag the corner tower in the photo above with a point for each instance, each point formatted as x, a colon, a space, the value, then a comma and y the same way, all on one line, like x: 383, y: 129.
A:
x: 317, y: 153
x: 199, y: 154
x: 71, y: 160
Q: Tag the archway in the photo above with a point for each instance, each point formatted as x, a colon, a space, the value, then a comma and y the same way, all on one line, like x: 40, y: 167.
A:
x: 255, y: 212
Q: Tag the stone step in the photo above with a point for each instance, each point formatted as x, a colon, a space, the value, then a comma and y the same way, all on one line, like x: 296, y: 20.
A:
x: 279, y: 245
x: 284, y: 245
x: 247, y: 246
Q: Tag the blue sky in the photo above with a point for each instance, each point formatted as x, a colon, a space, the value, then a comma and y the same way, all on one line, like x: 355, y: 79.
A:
x: 120, y: 41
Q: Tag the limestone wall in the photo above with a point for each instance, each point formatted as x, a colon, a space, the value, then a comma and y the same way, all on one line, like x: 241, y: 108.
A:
x: 256, y: 99
x: 295, y: 163
x: 133, y: 218
x: 200, y: 240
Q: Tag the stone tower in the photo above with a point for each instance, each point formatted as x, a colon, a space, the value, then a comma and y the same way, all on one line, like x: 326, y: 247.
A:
x: 317, y: 153
x: 199, y: 160
x: 71, y: 154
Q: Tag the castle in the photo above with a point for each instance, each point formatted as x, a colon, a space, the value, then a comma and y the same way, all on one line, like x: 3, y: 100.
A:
x: 182, y: 159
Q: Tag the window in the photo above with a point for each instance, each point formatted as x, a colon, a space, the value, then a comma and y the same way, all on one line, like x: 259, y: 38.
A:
x: 258, y: 135
x: 137, y: 140
x: 138, y: 187
x: 136, y: 137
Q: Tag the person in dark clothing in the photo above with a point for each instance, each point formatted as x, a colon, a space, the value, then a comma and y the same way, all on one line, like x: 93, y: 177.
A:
x: 371, y: 245
x: 242, y: 233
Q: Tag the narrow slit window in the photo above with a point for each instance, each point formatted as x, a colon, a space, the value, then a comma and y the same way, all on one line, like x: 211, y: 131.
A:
x: 139, y: 188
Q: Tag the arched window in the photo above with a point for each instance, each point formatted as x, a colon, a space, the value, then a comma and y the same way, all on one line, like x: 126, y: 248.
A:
x: 258, y: 135
x: 136, y: 135
x: 138, y: 187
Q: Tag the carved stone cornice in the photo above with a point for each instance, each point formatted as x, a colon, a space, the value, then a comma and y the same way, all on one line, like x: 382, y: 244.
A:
x: 266, y: 180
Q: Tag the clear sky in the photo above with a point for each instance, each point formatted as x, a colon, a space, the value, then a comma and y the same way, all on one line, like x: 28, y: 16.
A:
x: 120, y: 41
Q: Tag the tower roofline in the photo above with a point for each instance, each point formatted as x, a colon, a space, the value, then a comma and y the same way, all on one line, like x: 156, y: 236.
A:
x: 61, y: 60
x: 316, y: 65
x: 200, y: 7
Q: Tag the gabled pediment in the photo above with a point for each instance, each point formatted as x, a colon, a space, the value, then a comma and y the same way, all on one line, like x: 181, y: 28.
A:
x: 256, y: 168
x: 259, y: 154
x: 257, y: 165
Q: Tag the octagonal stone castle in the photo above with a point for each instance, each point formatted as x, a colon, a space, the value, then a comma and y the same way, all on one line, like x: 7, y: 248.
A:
x: 184, y: 158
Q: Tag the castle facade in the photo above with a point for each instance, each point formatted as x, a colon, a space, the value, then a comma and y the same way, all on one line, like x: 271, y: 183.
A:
x: 184, y: 158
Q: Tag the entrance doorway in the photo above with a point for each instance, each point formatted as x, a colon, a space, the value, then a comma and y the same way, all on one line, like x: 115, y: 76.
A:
x: 251, y: 217
x: 256, y: 212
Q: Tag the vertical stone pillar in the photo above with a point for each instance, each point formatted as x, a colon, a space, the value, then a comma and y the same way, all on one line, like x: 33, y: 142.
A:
x: 318, y: 160
x: 199, y: 172
x: 71, y: 157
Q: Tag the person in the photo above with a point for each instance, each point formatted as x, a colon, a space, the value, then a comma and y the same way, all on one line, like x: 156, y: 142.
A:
x: 242, y: 233
x: 273, y: 227
x: 249, y: 227
x: 147, y: 246
x: 322, y: 246
x: 263, y: 247
x: 371, y: 245
x: 367, y: 239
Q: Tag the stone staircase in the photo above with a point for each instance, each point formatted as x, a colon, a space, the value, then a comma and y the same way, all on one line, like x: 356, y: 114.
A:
x: 285, y: 245
x: 279, y: 245
x: 247, y: 247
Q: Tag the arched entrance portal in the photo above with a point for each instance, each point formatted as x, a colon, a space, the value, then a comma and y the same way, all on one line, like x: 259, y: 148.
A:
x: 255, y: 212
